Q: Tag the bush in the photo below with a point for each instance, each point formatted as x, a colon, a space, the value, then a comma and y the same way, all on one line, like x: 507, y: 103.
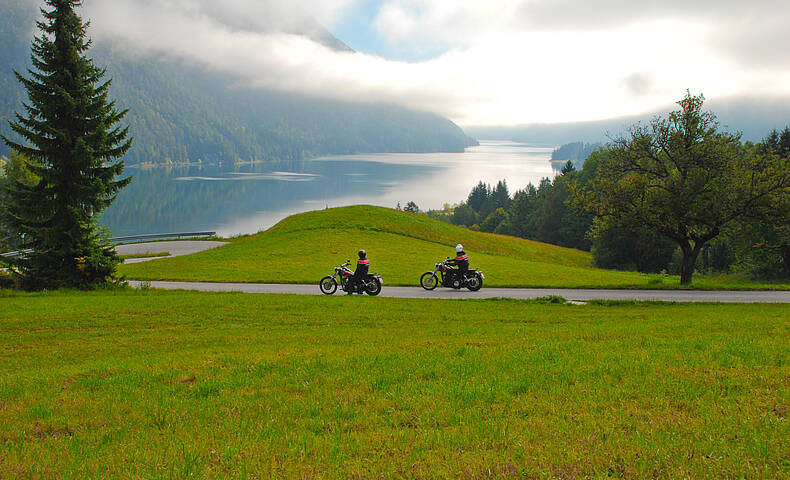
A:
x: 411, y: 207
x: 464, y: 215
x: 7, y: 281
x: 494, y: 220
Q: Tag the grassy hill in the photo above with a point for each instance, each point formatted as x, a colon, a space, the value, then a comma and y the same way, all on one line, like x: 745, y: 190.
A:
x: 401, y: 245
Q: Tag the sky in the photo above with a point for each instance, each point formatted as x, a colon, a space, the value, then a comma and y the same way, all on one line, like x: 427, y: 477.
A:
x: 493, y: 62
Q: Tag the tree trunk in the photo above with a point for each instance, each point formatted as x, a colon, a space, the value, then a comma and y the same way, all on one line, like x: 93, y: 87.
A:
x: 688, y: 264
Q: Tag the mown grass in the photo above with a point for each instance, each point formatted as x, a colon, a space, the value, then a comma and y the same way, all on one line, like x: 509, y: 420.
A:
x: 170, y: 385
x: 305, y: 247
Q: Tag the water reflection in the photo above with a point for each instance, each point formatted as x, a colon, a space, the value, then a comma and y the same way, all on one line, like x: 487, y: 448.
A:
x: 247, y: 198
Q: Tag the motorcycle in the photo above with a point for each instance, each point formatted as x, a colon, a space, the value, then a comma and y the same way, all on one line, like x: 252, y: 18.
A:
x: 471, y: 279
x: 371, y: 284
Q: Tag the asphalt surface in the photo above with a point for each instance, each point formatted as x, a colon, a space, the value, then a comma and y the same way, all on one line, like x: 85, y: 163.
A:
x: 175, y: 249
x: 517, y: 293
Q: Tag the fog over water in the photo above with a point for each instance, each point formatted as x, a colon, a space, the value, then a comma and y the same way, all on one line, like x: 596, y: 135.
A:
x: 238, y: 199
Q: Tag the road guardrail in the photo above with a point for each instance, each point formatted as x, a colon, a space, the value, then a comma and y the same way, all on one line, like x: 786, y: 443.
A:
x: 130, y: 238
x: 162, y: 236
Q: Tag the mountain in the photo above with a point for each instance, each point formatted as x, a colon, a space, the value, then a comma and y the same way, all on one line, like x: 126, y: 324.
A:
x: 754, y: 116
x: 179, y: 112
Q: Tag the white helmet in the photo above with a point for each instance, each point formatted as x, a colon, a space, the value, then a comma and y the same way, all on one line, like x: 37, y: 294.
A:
x: 459, y: 248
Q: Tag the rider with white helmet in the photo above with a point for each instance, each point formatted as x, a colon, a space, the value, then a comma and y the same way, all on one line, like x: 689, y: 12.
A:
x: 461, y: 261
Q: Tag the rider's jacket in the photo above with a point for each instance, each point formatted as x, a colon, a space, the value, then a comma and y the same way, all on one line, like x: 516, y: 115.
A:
x: 461, y: 261
x: 362, y: 267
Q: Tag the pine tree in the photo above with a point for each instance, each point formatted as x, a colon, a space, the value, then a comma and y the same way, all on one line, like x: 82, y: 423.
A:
x: 478, y: 196
x: 73, y: 144
x: 501, y: 195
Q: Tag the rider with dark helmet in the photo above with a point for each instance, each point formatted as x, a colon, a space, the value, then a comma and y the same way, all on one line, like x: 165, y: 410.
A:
x: 461, y: 261
x: 363, y: 265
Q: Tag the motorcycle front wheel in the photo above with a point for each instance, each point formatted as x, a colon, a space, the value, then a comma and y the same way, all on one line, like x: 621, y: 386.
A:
x: 474, y: 283
x: 429, y: 280
x: 328, y: 285
x: 373, y: 287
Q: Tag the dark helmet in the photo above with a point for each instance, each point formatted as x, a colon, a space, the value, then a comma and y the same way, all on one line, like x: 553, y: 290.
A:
x: 361, y: 254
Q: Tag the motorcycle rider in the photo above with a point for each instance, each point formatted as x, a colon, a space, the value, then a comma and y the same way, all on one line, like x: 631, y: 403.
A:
x: 363, y: 265
x: 461, y: 261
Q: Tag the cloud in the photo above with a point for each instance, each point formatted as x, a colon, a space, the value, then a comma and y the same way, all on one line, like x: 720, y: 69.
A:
x: 266, y: 57
x: 581, y: 14
x: 638, y: 83
x: 756, y: 43
x: 753, y: 33
x: 445, y: 24
x: 503, y: 61
x: 256, y: 15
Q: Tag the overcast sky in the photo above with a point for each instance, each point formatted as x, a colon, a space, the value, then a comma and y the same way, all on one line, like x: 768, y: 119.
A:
x: 493, y: 62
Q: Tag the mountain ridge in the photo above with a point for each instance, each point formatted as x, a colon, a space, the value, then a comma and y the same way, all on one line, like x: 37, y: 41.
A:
x: 752, y: 115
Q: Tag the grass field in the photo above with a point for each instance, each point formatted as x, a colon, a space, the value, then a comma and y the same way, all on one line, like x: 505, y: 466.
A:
x: 305, y: 247
x: 170, y: 385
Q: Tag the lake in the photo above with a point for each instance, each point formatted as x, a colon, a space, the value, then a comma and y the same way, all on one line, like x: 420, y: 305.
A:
x: 236, y: 199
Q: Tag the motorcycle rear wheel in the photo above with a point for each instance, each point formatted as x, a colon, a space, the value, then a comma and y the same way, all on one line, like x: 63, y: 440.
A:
x: 373, y: 287
x: 328, y: 285
x: 429, y: 280
x: 474, y: 283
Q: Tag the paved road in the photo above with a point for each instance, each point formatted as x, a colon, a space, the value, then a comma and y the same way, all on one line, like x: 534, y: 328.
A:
x: 518, y: 293
x: 175, y: 248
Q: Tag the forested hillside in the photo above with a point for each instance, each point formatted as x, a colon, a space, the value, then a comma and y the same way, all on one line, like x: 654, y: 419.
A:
x: 575, y: 152
x: 181, y: 113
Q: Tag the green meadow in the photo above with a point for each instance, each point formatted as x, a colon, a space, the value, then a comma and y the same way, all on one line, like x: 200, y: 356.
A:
x: 305, y: 247
x: 151, y: 384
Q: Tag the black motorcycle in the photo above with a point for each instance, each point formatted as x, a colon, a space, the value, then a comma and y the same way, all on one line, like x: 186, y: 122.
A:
x: 452, y: 278
x: 371, y: 284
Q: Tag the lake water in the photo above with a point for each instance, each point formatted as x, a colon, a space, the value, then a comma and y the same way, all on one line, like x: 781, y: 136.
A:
x: 237, y: 199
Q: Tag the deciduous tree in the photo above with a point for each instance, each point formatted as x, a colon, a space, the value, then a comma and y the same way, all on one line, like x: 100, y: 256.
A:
x: 683, y: 178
